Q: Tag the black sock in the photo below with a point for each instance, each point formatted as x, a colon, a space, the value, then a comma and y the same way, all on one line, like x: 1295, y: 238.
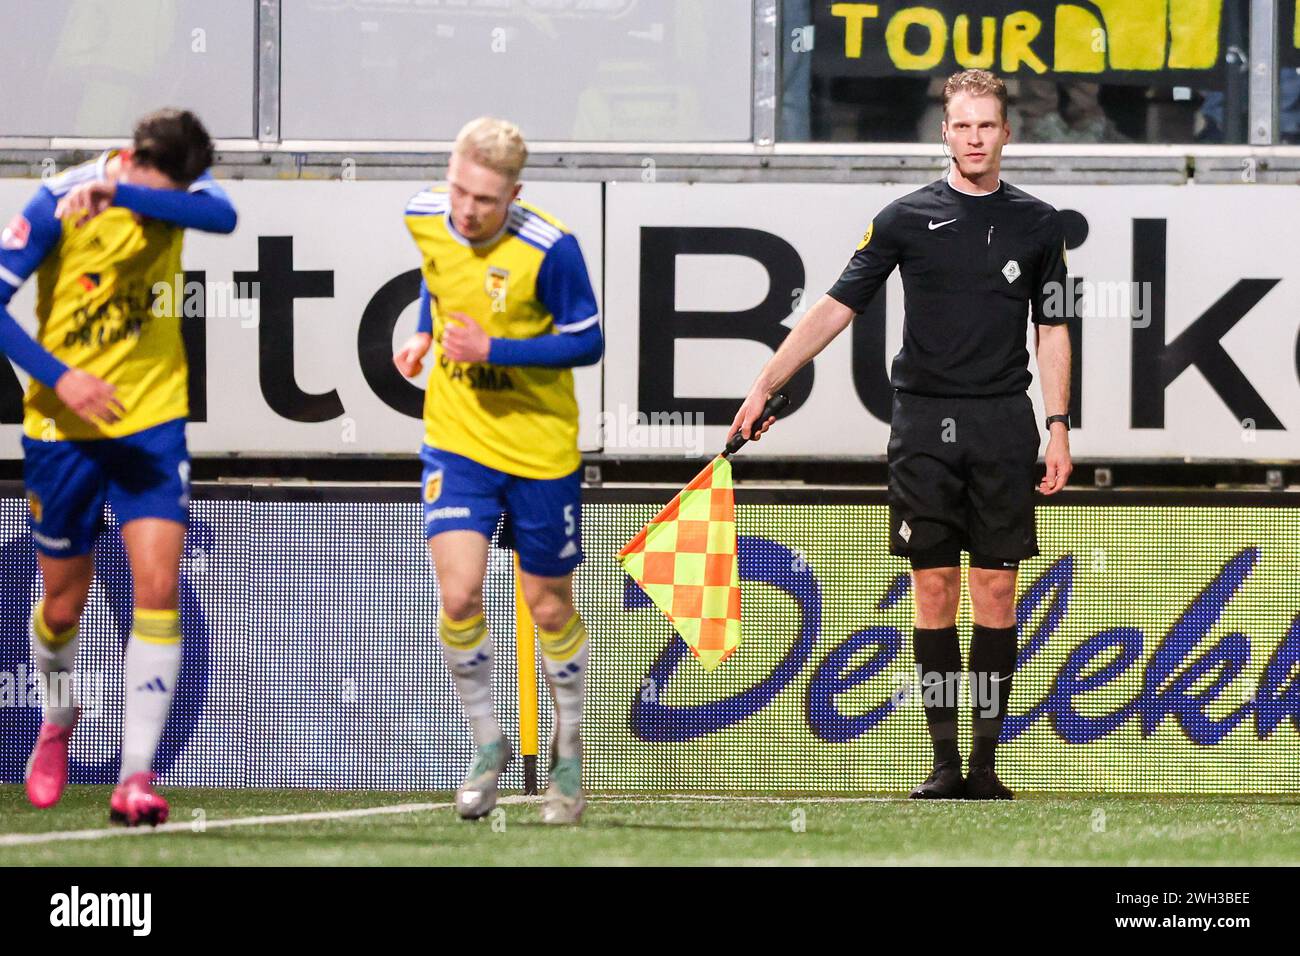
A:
x: 992, y: 662
x: 939, y: 659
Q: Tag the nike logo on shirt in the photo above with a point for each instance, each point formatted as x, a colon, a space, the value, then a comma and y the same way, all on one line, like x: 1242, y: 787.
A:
x: 935, y: 225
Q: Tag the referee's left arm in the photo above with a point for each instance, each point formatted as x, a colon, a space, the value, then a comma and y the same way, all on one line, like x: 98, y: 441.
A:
x: 1052, y: 346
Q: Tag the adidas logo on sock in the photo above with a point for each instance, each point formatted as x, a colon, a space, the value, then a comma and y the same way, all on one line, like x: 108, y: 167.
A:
x: 155, y: 685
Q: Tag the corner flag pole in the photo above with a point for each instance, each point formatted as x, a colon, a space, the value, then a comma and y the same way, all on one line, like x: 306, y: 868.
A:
x: 526, y: 665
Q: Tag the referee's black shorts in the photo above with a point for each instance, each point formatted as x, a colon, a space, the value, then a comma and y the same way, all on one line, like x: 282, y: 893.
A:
x: 962, y: 473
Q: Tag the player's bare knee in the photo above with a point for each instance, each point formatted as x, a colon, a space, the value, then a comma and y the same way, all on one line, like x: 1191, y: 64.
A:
x: 63, y: 602
x: 551, y: 611
x: 460, y: 604
x: 993, y: 592
x: 938, y: 591
x: 553, y: 616
x: 61, y: 612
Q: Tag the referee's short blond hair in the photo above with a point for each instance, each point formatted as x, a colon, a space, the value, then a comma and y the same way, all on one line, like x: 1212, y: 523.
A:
x: 975, y: 83
x: 494, y: 143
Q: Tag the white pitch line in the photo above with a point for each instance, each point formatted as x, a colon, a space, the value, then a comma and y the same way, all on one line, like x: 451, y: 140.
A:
x: 27, y: 839
x: 738, y: 798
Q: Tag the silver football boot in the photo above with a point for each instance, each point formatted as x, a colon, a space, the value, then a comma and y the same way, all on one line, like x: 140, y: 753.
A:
x: 477, y: 796
x: 564, y: 800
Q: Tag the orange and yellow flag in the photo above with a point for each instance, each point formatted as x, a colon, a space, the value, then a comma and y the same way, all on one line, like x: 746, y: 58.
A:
x: 685, y: 560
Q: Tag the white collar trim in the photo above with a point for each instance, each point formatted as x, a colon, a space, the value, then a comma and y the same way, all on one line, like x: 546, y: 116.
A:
x: 964, y: 192
x: 451, y: 228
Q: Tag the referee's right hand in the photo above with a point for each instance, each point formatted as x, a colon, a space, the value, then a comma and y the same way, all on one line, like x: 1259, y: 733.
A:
x: 748, y: 415
x: 409, y: 359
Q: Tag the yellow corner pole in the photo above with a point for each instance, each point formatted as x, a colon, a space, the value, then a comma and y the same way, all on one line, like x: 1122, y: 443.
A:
x: 526, y: 665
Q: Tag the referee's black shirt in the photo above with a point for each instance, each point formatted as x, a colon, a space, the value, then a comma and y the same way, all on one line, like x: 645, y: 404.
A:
x: 971, y: 267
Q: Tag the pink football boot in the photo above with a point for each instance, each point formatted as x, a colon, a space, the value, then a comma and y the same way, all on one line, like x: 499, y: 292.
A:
x: 47, y: 767
x: 135, y: 801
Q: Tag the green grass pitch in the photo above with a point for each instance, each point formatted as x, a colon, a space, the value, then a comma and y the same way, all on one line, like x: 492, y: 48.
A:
x: 664, y: 829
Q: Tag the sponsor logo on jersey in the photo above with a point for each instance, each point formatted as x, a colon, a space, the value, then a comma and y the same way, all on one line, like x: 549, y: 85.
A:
x: 1011, y: 270
x: 489, y: 378
x: 17, y: 233
x: 124, y: 315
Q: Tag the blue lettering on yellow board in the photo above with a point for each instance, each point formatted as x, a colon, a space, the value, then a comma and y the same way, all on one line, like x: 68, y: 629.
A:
x: 759, y: 560
x: 833, y: 678
x: 1168, y: 680
x: 1275, y: 699
x: 1165, y: 686
x: 1058, y: 583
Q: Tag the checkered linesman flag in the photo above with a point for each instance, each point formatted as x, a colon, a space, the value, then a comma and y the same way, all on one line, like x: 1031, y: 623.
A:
x: 685, y: 558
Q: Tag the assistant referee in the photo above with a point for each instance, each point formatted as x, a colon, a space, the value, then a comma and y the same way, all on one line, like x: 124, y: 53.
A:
x: 975, y: 254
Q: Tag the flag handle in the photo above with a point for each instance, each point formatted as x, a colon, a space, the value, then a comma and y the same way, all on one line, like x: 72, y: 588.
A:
x: 526, y: 664
x: 775, y: 405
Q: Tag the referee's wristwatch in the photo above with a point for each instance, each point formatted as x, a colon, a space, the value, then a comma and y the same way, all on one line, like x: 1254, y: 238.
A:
x: 1053, y: 419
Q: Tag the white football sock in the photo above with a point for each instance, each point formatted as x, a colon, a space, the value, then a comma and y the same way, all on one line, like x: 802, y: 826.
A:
x: 153, y: 661
x: 56, y: 658
x: 564, y: 658
x: 467, y: 649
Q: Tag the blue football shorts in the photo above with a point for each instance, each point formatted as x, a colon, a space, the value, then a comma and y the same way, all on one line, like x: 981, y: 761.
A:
x: 543, y: 516
x: 145, y: 475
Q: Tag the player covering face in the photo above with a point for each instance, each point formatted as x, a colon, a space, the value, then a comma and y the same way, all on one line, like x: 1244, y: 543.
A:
x: 507, y: 308
x: 104, y: 421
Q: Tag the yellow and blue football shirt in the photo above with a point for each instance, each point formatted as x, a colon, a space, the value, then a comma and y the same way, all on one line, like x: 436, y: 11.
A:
x: 529, y: 280
x: 100, y: 308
